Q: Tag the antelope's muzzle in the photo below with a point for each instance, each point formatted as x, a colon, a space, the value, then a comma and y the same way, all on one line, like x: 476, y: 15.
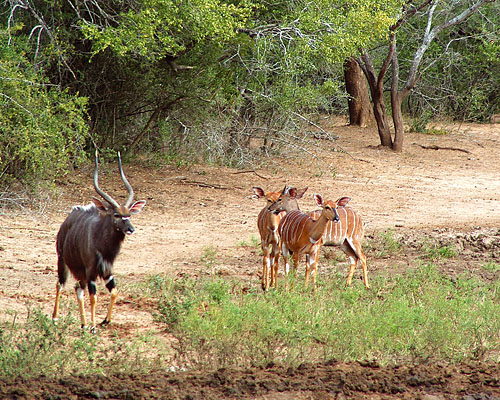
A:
x: 336, y: 218
x: 128, y: 229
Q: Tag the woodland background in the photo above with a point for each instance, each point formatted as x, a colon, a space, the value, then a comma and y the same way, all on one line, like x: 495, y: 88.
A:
x: 231, y: 82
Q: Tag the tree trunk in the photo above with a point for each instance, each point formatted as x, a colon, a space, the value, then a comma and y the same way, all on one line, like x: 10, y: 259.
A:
x: 377, y: 92
x: 384, y: 131
x: 360, y: 110
x: 397, y: 118
x: 396, y: 100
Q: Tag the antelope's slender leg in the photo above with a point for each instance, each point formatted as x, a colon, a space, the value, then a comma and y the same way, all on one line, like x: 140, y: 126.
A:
x: 286, y: 260
x: 295, y: 260
x: 353, y: 259
x: 265, y: 267
x: 275, y: 266
x: 80, y: 296
x: 351, y: 271
x: 59, y: 288
x: 114, y: 295
x: 308, y: 269
x: 62, y: 274
x: 365, y: 272
x: 314, y: 272
x: 93, y: 300
x: 361, y: 257
x: 110, y: 284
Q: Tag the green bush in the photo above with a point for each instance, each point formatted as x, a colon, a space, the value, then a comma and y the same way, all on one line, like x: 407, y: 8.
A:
x: 42, y: 128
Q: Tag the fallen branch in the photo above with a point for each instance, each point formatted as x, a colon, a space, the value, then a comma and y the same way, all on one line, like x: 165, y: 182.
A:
x: 251, y: 171
x: 203, y: 184
x: 435, y: 147
x: 173, y: 178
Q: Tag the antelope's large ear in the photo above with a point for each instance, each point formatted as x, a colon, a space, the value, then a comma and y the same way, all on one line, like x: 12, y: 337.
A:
x: 137, y: 207
x: 342, y: 202
x: 292, y: 192
x: 318, y: 199
x: 98, y: 204
x: 300, y: 193
x: 258, y: 192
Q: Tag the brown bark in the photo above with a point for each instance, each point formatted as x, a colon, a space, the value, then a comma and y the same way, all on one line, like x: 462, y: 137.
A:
x: 360, y: 109
x: 376, y: 85
x: 396, y: 100
x: 384, y: 131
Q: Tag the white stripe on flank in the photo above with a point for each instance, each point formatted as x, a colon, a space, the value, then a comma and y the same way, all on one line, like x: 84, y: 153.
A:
x: 296, y: 227
x: 353, y: 225
x: 303, y: 222
x: 339, y: 234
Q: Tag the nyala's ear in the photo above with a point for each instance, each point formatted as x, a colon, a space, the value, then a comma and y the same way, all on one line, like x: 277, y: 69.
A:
x: 258, y: 192
x: 292, y: 192
x: 318, y: 199
x: 342, y: 202
x: 99, y: 205
x: 300, y: 193
x: 137, y: 207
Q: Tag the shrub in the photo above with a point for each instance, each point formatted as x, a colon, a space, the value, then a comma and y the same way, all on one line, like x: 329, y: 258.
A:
x: 42, y: 128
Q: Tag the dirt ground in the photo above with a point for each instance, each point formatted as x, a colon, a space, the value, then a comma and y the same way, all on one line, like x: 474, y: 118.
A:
x: 445, y: 187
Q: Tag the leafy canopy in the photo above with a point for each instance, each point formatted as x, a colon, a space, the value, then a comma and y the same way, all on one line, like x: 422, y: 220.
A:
x: 154, y: 29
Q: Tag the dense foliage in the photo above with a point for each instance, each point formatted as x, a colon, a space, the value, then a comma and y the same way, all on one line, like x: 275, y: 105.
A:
x: 209, y: 79
x: 42, y: 127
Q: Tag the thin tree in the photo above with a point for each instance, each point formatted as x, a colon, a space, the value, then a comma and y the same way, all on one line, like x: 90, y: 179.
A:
x: 376, y: 81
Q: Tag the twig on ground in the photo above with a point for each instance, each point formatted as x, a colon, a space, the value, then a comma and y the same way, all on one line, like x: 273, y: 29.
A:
x: 435, y: 147
x: 203, y: 184
x: 251, y: 171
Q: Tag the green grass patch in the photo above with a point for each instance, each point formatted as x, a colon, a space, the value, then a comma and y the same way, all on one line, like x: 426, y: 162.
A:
x: 491, y: 266
x: 435, y: 252
x: 254, y: 243
x: 215, y: 322
x: 42, y: 347
x: 385, y: 244
x: 420, y: 315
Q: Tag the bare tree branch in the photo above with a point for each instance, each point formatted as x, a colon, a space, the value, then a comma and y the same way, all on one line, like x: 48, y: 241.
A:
x: 430, y: 34
x: 25, y: 4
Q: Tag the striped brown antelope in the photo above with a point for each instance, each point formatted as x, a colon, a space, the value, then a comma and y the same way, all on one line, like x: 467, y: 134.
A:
x: 268, y: 222
x: 347, y: 233
x: 300, y: 234
x: 88, y: 242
